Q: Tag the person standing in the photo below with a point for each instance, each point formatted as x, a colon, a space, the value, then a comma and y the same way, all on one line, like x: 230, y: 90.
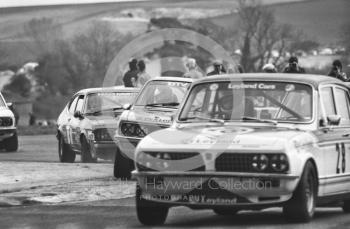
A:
x: 143, y: 76
x: 192, y: 70
x: 293, y: 66
x: 337, y: 71
x: 269, y: 68
x: 130, y: 77
x: 218, y: 69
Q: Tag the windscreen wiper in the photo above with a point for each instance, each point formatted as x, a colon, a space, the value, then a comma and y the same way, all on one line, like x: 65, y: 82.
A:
x: 162, y: 104
x: 222, y: 121
x: 247, y: 118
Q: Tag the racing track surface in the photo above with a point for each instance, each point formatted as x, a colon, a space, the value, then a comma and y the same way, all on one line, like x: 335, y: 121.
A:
x: 114, y: 211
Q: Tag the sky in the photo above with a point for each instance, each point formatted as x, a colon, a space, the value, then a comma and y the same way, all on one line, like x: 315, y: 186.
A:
x: 16, y: 3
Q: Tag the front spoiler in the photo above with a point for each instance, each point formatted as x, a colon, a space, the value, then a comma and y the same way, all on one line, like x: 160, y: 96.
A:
x: 210, y: 189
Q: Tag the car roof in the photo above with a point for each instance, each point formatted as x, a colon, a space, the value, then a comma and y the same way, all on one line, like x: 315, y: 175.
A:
x: 314, y: 80
x: 172, y: 78
x: 108, y: 89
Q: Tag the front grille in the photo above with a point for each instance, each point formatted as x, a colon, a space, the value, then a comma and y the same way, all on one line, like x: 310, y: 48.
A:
x: 175, y: 161
x: 6, y: 121
x: 240, y: 162
x: 139, y: 129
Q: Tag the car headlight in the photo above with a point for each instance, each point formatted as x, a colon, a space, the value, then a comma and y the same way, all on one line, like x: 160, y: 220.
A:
x: 6, y: 121
x: 260, y: 162
x: 279, y: 163
x: 133, y: 130
x: 103, y: 134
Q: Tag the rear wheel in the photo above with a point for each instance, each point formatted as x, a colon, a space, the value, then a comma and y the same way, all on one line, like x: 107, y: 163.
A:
x: 346, y: 206
x: 301, y: 207
x: 86, y: 156
x: 11, y: 144
x: 122, y: 166
x: 65, y: 154
x: 148, y: 212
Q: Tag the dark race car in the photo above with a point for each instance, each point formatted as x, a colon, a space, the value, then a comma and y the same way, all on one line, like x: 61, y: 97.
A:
x: 87, y: 124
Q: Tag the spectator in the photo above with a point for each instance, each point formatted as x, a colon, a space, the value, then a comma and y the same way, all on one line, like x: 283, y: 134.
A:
x: 32, y: 119
x: 337, y: 71
x: 130, y: 77
x: 293, y: 66
x: 192, y: 70
x: 218, y: 68
x: 269, y: 68
x: 240, y: 68
x: 143, y: 76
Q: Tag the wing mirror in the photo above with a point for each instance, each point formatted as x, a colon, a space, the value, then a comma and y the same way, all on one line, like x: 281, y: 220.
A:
x: 9, y: 105
x: 78, y: 114
x: 333, y: 120
x: 127, y: 106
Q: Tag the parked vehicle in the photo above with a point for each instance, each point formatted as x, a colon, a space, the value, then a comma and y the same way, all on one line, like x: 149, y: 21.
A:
x: 153, y: 109
x: 87, y: 124
x: 250, y: 141
x: 8, y: 129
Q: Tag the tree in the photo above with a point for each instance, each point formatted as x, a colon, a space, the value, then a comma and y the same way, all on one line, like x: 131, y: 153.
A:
x: 44, y: 33
x: 19, y: 84
x: 263, y: 39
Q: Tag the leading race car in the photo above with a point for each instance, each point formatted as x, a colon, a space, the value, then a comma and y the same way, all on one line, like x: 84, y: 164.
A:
x: 153, y: 109
x: 250, y: 141
x: 87, y: 124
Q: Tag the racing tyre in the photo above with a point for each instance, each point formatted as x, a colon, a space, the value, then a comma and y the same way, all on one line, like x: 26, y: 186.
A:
x: 149, y: 213
x: 301, y: 207
x: 346, y: 206
x: 86, y: 152
x: 225, y: 211
x: 65, y: 154
x: 122, y: 166
x: 11, y: 144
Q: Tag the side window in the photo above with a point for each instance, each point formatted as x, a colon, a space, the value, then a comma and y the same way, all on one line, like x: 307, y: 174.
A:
x: 72, y: 105
x: 342, y: 103
x: 328, y: 100
x: 80, y: 103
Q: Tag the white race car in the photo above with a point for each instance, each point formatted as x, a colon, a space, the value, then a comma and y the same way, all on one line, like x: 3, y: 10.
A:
x: 8, y: 129
x: 250, y: 141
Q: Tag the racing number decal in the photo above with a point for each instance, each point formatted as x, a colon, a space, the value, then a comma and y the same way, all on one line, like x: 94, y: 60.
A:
x: 69, y: 135
x: 340, y: 148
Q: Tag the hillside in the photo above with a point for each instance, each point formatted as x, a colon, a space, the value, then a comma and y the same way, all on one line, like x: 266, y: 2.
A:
x: 320, y: 19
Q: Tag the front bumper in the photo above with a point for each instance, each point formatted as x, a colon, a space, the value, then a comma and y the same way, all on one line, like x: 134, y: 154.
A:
x: 7, y: 133
x: 210, y: 189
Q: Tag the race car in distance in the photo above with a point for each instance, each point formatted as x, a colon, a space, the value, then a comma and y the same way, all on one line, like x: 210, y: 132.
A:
x: 153, y: 109
x: 250, y: 141
x: 8, y: 130
x: 87, y: 124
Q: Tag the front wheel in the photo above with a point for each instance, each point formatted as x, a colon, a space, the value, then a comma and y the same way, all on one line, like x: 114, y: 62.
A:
x: 225, y: 211
x: 149, y: 213
x: 122, y: 166
x: 86, y: 156
x: 65, y: 153
x: 11, y: 143
x: 346, y: 206
x: 301, y: 207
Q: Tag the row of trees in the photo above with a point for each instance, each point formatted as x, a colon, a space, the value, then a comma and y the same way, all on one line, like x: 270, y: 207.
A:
x: 69, y: 64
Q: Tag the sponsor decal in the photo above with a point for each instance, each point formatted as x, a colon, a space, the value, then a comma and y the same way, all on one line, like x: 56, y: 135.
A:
x: 262, y: 86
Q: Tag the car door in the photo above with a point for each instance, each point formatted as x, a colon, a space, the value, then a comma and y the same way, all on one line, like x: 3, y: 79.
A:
x: 66, y: 126
x: 342, y: 101
x: 332, y: 142
x: 75, y: 123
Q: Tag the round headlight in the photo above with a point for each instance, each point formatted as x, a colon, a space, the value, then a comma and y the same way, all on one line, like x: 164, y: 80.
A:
x: 260, y: 162
x: 279, y: 163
